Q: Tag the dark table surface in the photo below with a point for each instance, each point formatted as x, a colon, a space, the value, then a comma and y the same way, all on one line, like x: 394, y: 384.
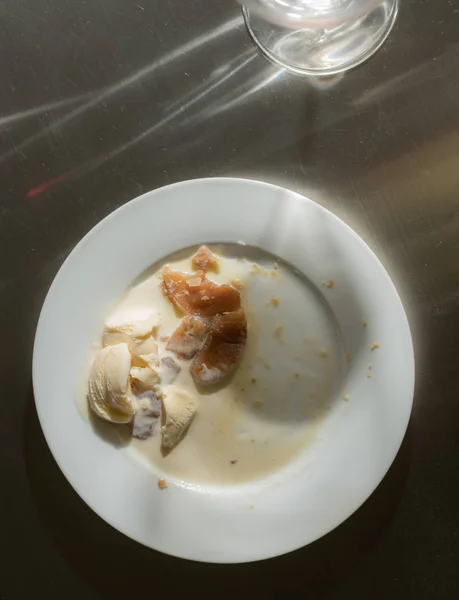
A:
x: 102, y: 100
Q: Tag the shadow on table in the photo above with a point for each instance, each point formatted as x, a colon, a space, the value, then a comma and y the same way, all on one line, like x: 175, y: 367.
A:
x: 117, y: 567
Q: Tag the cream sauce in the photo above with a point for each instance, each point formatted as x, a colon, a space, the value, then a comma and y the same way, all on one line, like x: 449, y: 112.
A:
x: 268, y: 411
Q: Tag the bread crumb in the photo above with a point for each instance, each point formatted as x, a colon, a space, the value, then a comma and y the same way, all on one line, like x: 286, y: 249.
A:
x: 346, y: 397
x: 162, y: 484
x: 255, y: 269
x: 364, y: 323
x: 369, y: 367
x: 369, y: 375
x: 329, y: 284
x: 348, y: 356
x: 374, y: 346
x: 324, y: 353
x: 233, y: 462
x: 275, y: 301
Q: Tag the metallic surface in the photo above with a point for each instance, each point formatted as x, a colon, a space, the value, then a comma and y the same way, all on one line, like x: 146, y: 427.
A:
x: 103, y: 100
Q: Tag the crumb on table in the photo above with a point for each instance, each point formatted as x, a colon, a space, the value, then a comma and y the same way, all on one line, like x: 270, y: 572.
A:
x: 275, y: 301
x: 374, y: 346
x: 162, y: 484
x: 329, y: 284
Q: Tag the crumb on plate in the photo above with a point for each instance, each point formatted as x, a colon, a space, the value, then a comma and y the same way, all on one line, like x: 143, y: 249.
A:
x: 162, y: 484
x: 364, y: 323
x: 324, y: 353
x: 346, y: 397
x: 374, y: 346
x: 275, y: 301
x: 329, y: 284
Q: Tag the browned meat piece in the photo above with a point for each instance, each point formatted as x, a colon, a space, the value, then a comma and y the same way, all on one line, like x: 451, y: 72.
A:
x: 194, y: 294
x: 189, y: 337
x: 204, y: 260
x: 222, y: 349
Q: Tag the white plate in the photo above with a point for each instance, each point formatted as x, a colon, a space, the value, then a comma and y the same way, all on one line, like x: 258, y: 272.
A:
x: 358, y: 439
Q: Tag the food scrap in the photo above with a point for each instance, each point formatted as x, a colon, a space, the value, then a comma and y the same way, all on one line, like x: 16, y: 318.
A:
x: 162, y: 484
x: 324, y: 353
x: 275, y: 301
x: 374, y: 346
x: 204, y: 260
x: 329, y: 284
x: 346, y: 397
x: 364, y: 323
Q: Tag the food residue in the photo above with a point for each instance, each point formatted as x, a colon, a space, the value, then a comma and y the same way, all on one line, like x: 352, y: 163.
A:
x: 329, y: 284
x: 204, y: 260
x: 374, y: 346
x: 182, y: 367
x: 364, y: 323
x: 130, y: 382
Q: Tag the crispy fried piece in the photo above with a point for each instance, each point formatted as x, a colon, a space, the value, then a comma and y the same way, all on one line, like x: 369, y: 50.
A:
x: 204, y: 260
x: 222, y: 349
x: 189, y: 337
x: 194, y: 294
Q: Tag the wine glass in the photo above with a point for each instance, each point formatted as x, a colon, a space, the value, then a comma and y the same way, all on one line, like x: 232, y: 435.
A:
x: 321, y: 37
